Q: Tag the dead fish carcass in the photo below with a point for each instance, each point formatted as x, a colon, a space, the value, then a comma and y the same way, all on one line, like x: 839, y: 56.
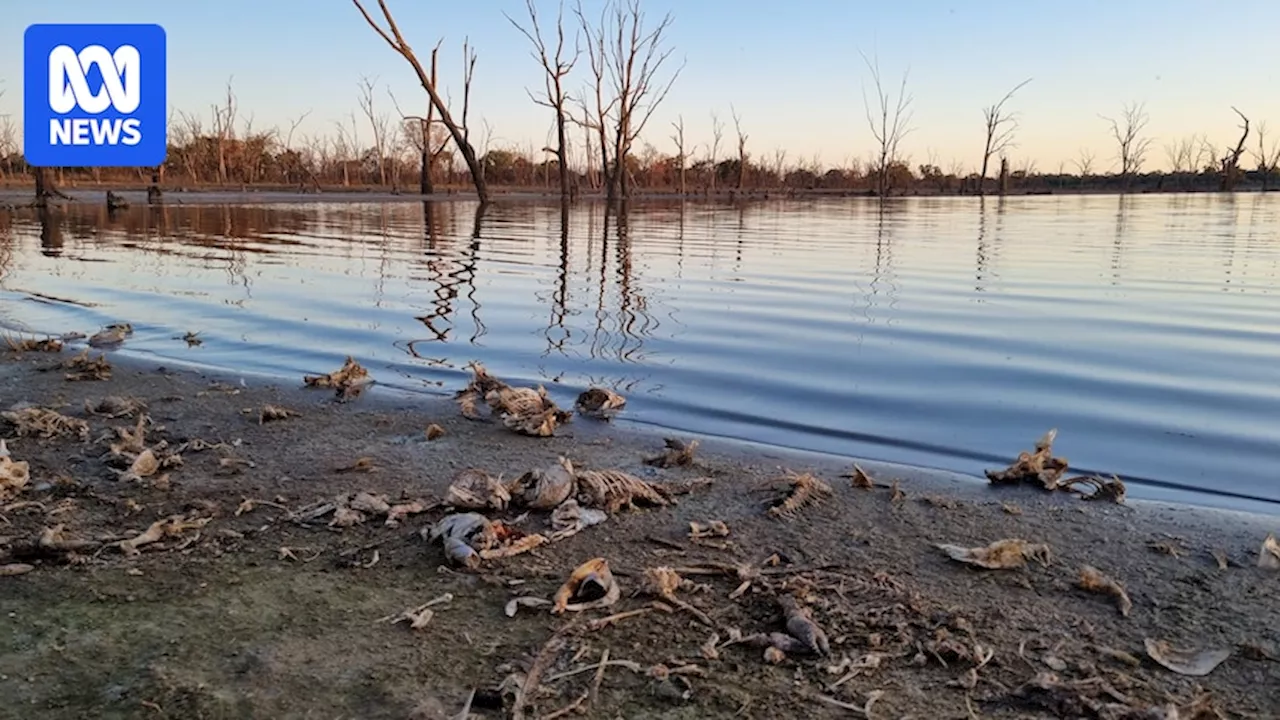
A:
x: 460, y: 534
x: 474, y: 489
x: 599, y: 402
x: 591, y: 585
x: 545, y: 488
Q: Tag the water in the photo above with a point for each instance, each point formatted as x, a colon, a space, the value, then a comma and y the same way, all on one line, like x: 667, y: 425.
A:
x: 946, y: 332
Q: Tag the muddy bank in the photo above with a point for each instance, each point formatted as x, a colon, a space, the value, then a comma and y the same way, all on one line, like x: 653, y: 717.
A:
x: 252, y: 602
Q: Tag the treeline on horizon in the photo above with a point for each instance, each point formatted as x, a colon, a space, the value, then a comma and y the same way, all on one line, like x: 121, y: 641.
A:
x: 601, y: 146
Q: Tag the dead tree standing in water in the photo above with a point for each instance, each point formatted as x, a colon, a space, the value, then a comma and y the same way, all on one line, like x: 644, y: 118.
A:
x: 421, y: 133
x: 1130, y: 144
x: 396, y: 41
x: 1231, y: 161
x: 555, y: 69
x: 632, y: 58
x: 1268, y: 157
x: 681, y: 156
x: 1000, y: 127
x: 890, y: 123
x: 742, y: 148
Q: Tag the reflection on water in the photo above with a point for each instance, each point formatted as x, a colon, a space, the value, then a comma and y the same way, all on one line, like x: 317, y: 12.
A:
x: 938, y: 331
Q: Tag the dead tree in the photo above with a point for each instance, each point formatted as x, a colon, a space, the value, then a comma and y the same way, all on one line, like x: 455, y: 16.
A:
x: 717, y: 133
x: 397, y: 43
x: 681, y: 157
x: 425, y: 134
x: 1000, y: 127
x: 595, y: 109
x: 1231, y: 161
x: 555, y: 68
x: 1084, y: 163
x: 634, y: 57
x: 1268, y: 157
x: 742, y: 148
x: 377, y: 125
x: 889, y: 122
x: 1131, y: 145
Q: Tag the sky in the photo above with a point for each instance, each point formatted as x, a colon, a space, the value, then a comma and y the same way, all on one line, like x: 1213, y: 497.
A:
x: 792, y: 71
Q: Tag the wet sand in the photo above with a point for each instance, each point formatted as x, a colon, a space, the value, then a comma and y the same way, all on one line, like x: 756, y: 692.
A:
x: 261, y: 613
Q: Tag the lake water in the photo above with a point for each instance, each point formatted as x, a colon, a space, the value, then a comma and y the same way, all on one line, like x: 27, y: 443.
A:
x: 947, y: 332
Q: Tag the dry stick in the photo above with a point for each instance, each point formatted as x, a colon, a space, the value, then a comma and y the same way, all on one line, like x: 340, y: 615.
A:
x: 628, y: 664
x: 539, y: 666
x: 571, y: 707
x: 611, y: 619
x: 595, y: 684
x: 447, y: 597
x: 841, y: 704
x: 466, y: 707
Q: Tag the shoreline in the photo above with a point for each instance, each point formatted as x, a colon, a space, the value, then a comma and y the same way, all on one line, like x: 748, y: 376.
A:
x: 17, y: 196
x: 402, y: 397
x: 249, y: 610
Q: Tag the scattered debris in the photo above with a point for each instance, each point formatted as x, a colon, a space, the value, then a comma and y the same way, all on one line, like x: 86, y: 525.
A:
x: 1010, y: 553
x: 715, y: 528
x: 1269, y: 555
x: 545, y: 488
x: 1112, y: 488
x: 14, y: 474
x: 12, y: 569
x: 614, y: 490
x: 1185, y: 662
x: 171, y: 526
x: 111, y: 336
x: 49, y: 345
x: 434, y: 432
x: 514, y: 604
x: 800, y: 625
x: 474, y: 489
x: 678, y: 453
x: 275, y: 412
x: 397, y: 513
x: 361, y: 464
x: 420, y: 616
x: 85, y: 368
x: 805, y: 490
x: 570, y: 518
x: 1042, y: 468
x: 1094, y: 580
x: 590, y: 586
x: 347, y: 381
x: 1039, y: 466
x: 115, y: 407
x: 32, y: 421
x: 527, y: 411
x: 1010, y: 508
x: 859, y: 478
x: 601, y: 403
x: 192, y: 339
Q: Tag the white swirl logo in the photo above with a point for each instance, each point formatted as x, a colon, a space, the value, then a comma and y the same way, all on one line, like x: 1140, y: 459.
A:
x: 69, y: 87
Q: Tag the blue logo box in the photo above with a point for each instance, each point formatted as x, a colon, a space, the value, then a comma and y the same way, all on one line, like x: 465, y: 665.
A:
x: 94, y: 95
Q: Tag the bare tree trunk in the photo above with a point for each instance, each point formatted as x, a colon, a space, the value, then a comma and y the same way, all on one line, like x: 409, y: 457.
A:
x: 742, y: 149
x: 1231, y: 163
x: 555, y: 69
x: 681, y: 156
x: 999, y: 138
x: 396, y: 41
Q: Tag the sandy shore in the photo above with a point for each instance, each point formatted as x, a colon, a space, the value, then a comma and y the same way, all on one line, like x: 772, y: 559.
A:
x: 256, y: 609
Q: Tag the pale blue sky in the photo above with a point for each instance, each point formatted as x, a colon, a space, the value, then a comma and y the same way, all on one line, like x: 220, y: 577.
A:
x: 791, y: 69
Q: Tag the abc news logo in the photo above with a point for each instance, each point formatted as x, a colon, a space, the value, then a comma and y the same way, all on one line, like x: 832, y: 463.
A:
x: 69, y: 89
x: 95, y: 95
